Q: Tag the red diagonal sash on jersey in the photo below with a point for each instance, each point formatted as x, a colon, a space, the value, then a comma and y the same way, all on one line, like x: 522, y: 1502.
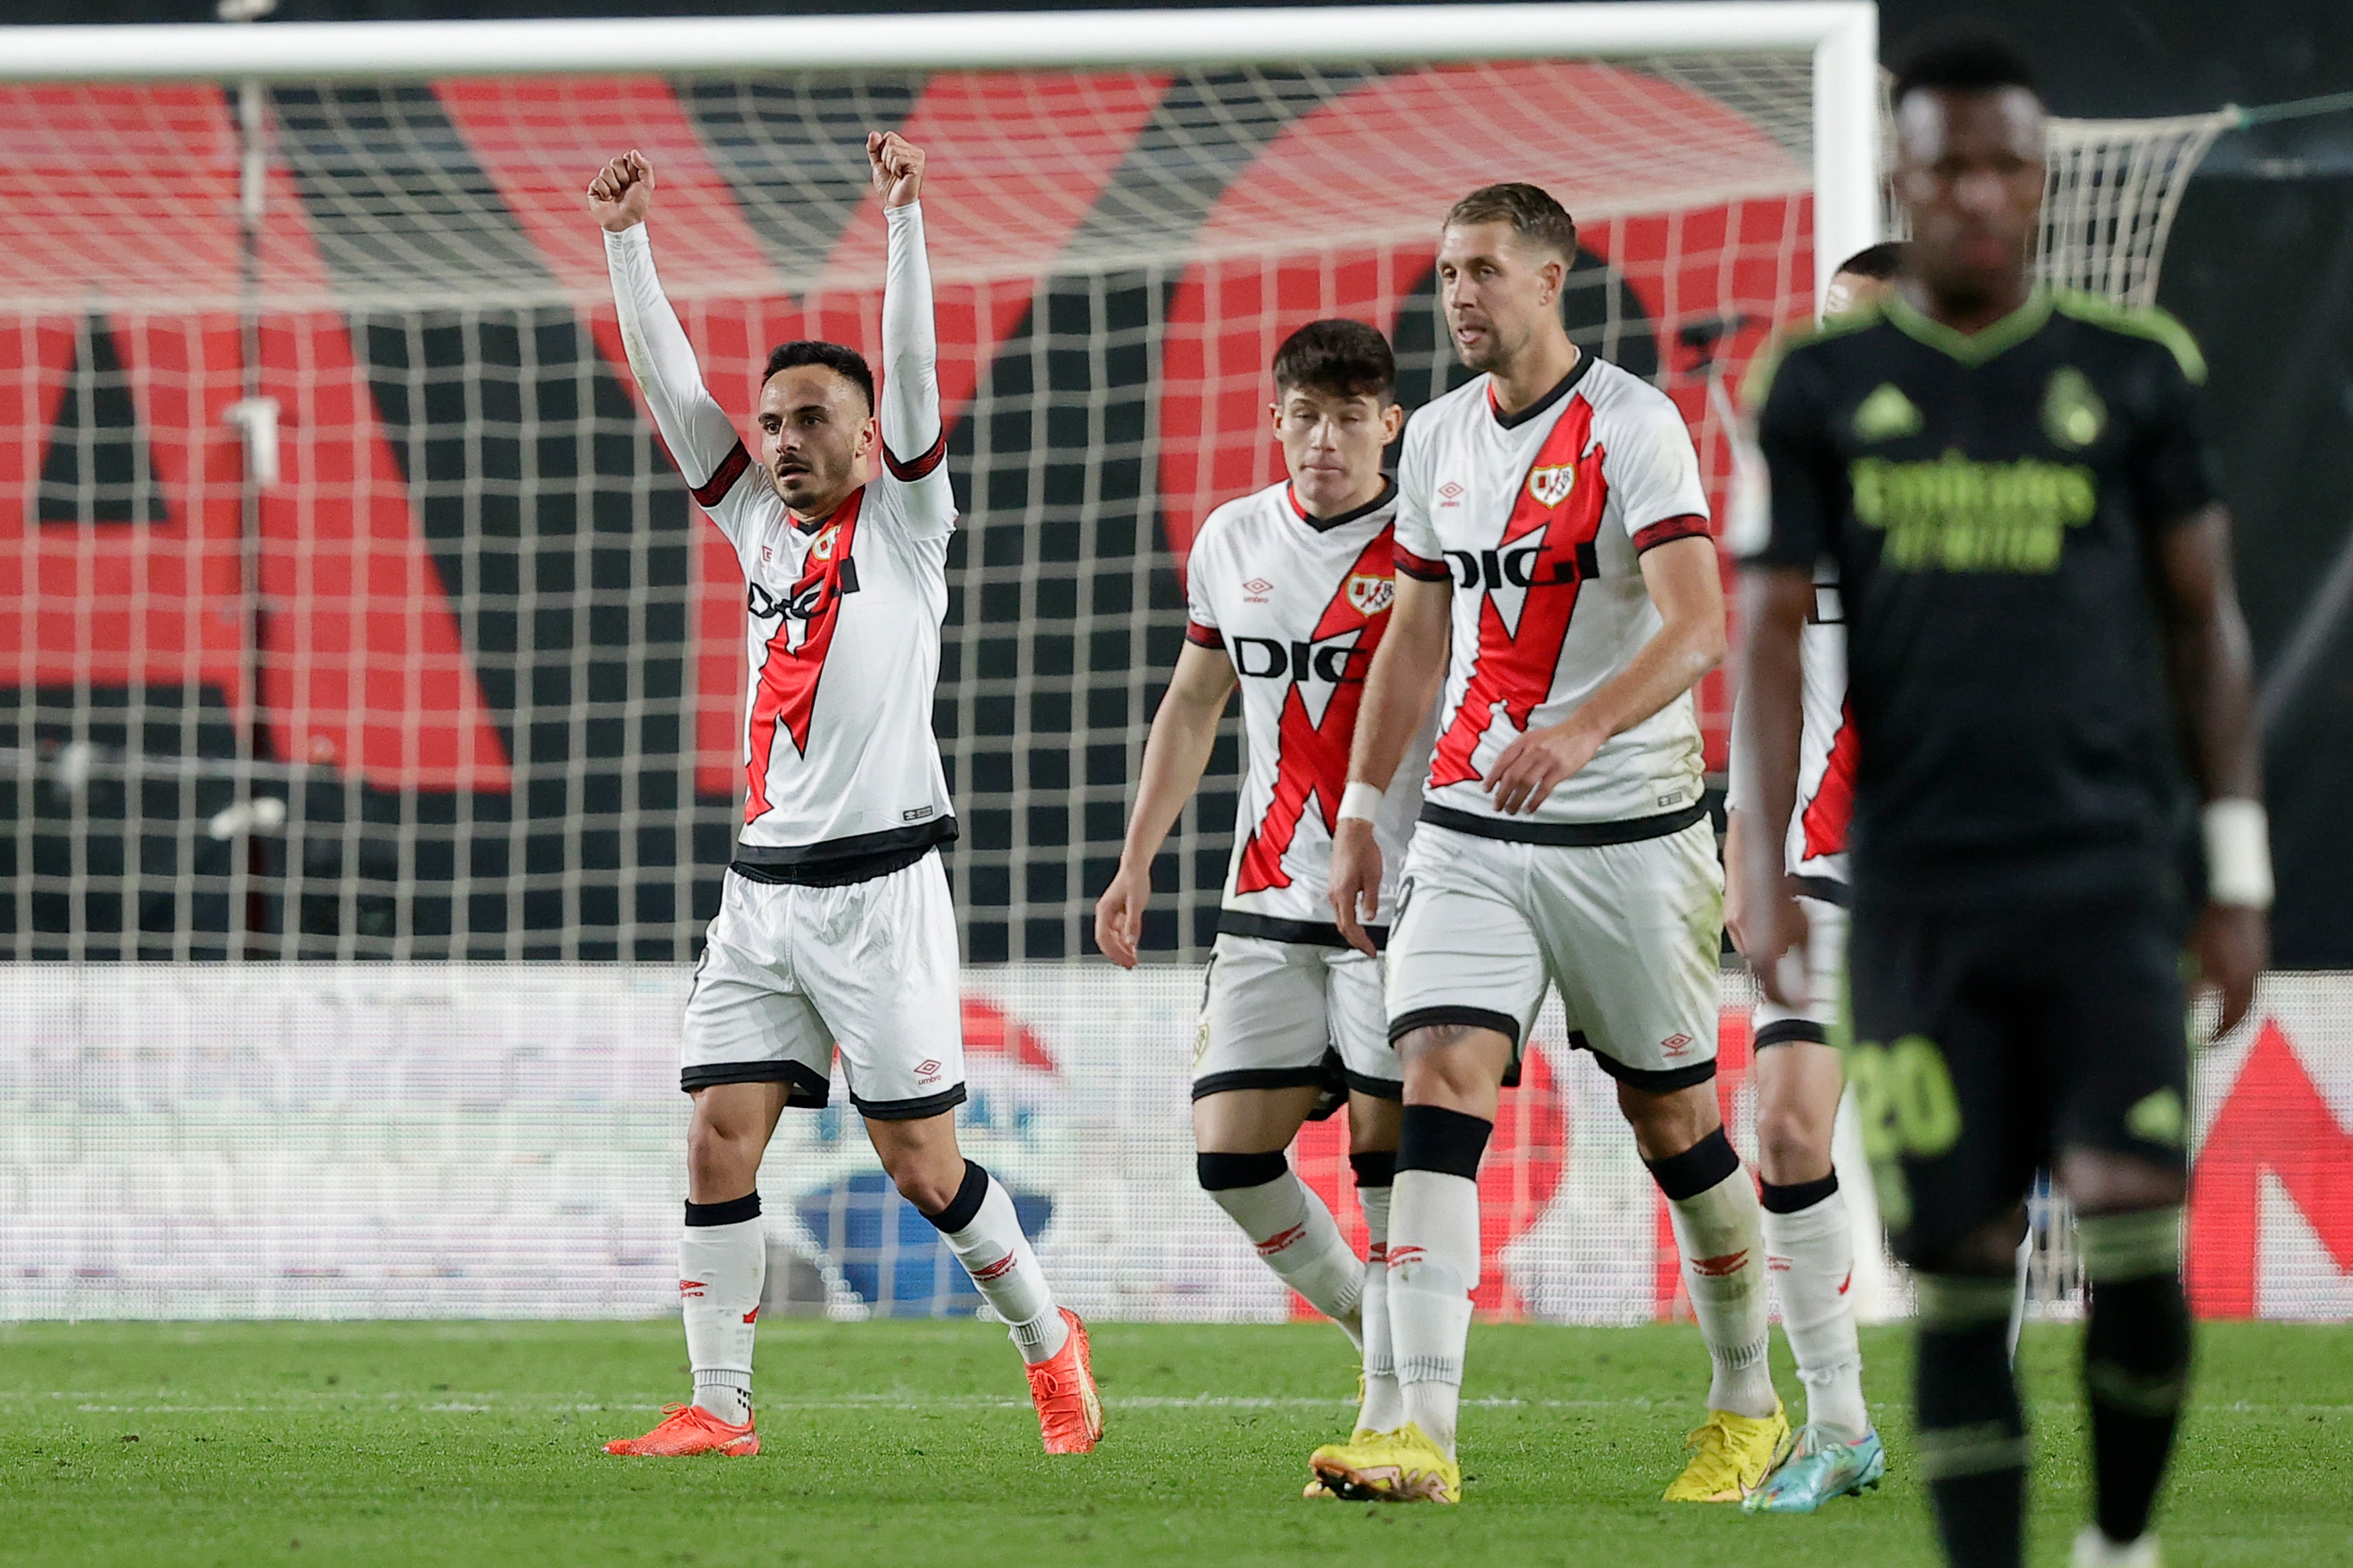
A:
x: 1312, y: 758
x: 1515, y: 669
x: 789, y: 675
x: 1827, y: 815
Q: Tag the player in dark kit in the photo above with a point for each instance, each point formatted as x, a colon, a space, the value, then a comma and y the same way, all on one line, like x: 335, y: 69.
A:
x: 2045, y: 652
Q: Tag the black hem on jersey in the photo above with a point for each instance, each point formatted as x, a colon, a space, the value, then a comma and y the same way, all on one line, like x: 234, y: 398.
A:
x: 1830, y: 889
x: 1667, y: 530
x: 1326, y: 524
x: 1564, y: 834
x: 1307, y: 933
x: 1419, y: 567
x: 713, y: 491
x: 1389, y: 1089
x: 917, y: 468
x: 804, y: 1089
x: 1200, y: 635
x: 1790, y: 1031
x: 1261, y: 1078
x: 910, y: 1110
x: 1559, y: 391
x: 1654, y: 1081
x: 839, y: 862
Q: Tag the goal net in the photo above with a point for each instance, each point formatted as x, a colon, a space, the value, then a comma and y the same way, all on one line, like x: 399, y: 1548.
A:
x: 463, y: 678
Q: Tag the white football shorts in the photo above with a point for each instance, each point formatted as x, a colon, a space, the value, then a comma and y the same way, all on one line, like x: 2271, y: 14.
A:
x: 1825, y: 982
x: 1280, y: 1014
x: 1628, y: 933
x: 789, y: 972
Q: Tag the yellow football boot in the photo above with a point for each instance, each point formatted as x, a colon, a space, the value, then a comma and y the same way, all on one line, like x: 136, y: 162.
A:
x: 1403, y: 1466
x: 1731, y: 1455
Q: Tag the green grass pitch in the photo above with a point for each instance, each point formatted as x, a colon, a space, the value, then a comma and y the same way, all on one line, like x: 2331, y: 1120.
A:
x: 911, y: 1443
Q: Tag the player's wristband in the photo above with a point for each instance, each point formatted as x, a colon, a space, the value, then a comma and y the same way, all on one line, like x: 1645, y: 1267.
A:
x: 2238, y: 853
x: 1361, y: 802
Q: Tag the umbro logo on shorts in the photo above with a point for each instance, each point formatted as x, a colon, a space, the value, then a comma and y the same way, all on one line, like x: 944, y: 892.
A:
x: 1677, y: 1044
x: 927, y: 1070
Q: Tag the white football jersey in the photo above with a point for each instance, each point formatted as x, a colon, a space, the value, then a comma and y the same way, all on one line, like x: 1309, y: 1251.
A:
x: 1826, y: 746
x: 842, y: 628
x: 1299, y: 605
x: 1538, y: 520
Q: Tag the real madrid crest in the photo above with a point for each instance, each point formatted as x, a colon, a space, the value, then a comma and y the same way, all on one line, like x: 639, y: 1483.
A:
x: 1370, y: 594
x: 1551, y: 483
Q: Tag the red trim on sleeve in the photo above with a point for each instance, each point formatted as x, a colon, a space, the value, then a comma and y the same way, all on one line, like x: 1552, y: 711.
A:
x: 1205, y: 636
x: 1429, y: 570
x: 713, y: 491
x: 907, y: 473
x: 1666, y: 531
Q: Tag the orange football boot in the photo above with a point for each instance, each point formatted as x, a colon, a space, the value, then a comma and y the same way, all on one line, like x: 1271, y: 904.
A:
x: 690, y: 1429
x: 1069, y: 1415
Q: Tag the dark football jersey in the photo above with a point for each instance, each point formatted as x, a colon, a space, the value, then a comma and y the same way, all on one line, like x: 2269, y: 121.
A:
x: 1991, y: 504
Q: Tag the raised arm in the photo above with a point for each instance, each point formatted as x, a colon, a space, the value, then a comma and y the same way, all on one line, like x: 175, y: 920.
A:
x: 703, y: 440
x: 1176, y: 754
x: 1408, y: 669
x: 915, y: 438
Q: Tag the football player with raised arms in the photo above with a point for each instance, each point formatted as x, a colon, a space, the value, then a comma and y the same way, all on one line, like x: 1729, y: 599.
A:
x: 834, y: 928
x: 2048, y: 674
x: 1551, y: 515
x: 1288, y: 591
x: 1809, y: 1235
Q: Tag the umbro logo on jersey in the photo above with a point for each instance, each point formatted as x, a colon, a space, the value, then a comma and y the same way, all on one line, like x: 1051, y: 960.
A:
x: 1368, y: 594
x: 1258, y: 588
x: 1450, y: 494
x: 1549, y: 485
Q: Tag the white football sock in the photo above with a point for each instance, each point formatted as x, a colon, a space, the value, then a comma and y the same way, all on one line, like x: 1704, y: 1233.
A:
x: 1384, y: 1405
x: 1302, y: 1243
x: 1812, y: 1254
x: 721, y: 1271
x: 1433, y: 1268
x: 1723, y: 1246
x: 996, y: 1254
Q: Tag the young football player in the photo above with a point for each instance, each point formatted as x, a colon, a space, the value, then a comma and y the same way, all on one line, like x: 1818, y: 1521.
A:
x: 834, y: 930
x: 2046, y: 667
x: 1289, y: 593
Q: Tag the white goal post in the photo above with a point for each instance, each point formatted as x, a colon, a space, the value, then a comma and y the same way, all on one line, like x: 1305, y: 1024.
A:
x: 1843, y: 35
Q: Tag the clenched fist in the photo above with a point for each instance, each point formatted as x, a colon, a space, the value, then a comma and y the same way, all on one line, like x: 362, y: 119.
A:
x: 897, y: 165
x: 622, y: 191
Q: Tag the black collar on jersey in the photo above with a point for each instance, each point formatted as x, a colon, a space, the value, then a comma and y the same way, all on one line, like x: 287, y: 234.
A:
x: 1987, y: 342
x: 811, y: 524
x: 1326, y: 524
x: 1513, y: 421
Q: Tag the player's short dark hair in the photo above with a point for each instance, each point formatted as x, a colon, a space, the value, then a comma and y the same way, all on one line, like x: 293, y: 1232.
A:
x: 1529, y: 209
x: 1881, y: 261
x: 847, y: 362
x: 1339, y: 357
x: 1966, y: 62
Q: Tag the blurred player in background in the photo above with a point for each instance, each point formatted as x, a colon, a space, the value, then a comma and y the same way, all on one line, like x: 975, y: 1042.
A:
x: 834, y: 927
x: 1809, y: 1236
x: 2017, y: 497
x: 1551, y: 511
x: 1288, y: 592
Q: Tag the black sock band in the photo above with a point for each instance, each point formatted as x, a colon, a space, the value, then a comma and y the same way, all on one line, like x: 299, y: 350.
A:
x: 965, y: 1207
x: 1971, y: 1440
x: 1223, y: 1172
x: 2137, y: 1348
x: 1374, y: 1167
x: 1447, y: 1141
x: 1696, y: 1169
x: 734, y: 1211
x: 1797, y: 1196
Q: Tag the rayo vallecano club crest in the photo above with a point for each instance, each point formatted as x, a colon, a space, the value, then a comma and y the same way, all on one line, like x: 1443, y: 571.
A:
x: 821, y: 547
x: 1551, y: 483
x: 1370, y: 594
